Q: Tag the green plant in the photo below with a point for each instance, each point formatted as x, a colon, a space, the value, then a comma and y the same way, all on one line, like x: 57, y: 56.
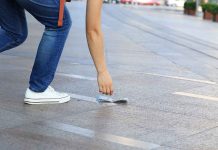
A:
x: 190, y: 5
x: 204, y: 7
x: 214, y: 9
x: 210, y: 7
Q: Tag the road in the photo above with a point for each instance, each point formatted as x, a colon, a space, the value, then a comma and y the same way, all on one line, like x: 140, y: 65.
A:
x: 163, y: 61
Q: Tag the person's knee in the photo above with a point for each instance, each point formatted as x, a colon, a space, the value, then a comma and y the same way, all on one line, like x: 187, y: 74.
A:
x: 19, y: 39
x: 67, y: 23
x: 13, y: 40
x: 55, y: 29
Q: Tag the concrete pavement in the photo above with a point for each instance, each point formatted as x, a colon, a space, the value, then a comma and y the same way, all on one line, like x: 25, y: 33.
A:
x: 164, y: 62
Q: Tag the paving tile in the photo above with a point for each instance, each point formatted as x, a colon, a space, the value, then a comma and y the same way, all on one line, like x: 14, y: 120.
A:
x: 11, y: 119
x: 37, y: 137
x: 182, y: 105
x: 206, y: 140
x: 140, y: 123
x: 165, y: 148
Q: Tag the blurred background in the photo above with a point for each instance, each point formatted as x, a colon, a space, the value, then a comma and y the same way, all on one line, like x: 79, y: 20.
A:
x: 179, y: 4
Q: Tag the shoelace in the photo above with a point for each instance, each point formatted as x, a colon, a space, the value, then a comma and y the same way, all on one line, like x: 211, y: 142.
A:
x: 51, y: 89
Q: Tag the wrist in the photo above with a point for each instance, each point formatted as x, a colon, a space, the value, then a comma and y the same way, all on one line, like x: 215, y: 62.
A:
x: 102, y: 71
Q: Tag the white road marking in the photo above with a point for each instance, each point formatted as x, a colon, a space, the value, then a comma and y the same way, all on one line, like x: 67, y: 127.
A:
x: 82, y: 97
x: 100, y: 136
x: 197, y: 96
x: 77, y: 76
x: 181, y: 78
x: 75, y: 63
x: 88, y: 99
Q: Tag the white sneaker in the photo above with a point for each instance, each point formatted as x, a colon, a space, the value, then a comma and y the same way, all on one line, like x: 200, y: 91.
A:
x: 49, y: 96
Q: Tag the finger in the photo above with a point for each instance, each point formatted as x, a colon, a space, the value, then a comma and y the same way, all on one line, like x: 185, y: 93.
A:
x: 104, y: 90
x: 108, y: 90
x: 111, y: 91
x: 101, y: 89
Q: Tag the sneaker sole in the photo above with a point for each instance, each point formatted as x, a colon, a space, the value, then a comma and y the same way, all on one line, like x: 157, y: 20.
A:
x: 46, y: 101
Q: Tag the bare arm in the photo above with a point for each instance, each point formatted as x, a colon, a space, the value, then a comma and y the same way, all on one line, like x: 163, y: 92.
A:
x: 96, y: 44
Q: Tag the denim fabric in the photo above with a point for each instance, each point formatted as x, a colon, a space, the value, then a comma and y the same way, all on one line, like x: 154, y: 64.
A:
x: 14, y: 31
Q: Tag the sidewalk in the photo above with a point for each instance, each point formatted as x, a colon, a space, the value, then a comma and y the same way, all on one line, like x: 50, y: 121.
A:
x: 172, y: 88
x: 179, y: 10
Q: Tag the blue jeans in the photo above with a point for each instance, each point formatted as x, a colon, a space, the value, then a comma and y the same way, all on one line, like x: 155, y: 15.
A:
x: 13, y: 32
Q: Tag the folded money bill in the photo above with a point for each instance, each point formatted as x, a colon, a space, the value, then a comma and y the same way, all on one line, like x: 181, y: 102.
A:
x: 109, y: 99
